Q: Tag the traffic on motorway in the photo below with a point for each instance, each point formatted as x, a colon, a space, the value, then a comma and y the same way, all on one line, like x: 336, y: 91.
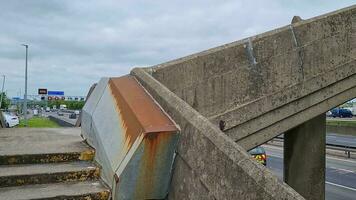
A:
x: 340, y: 173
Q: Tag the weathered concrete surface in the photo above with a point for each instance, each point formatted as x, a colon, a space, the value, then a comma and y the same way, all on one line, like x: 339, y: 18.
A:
x: 209, y: 165
x: 75, y: 191
x: 48, y: 164
x: 297, y: 70
x: 38, y: 145
x: 254, y: 90
x: 304, y: 158
x: 16, y: 175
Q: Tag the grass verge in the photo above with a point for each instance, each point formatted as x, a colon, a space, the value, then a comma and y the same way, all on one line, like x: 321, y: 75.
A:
x: 39, y: 122
x: 346, y: 123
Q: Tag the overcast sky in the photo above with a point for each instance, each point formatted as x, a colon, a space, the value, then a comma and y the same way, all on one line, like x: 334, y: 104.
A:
x: 74, y: 43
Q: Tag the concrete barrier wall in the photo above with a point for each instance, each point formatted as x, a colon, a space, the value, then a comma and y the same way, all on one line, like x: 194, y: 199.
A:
x: 238, y: 73
x: 133, y: 138
x: 209, y: 165
x: 61, y: 122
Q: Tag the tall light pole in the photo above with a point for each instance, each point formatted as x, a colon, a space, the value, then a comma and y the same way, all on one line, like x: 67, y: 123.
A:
x: 2, y: 90
x: 25, y: 97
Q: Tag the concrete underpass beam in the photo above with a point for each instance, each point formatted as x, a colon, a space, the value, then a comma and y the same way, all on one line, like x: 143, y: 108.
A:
x: 304, y: 158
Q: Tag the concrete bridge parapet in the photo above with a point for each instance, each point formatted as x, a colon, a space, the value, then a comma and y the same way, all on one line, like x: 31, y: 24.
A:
x: 209, y: 165
x: 231, y: 99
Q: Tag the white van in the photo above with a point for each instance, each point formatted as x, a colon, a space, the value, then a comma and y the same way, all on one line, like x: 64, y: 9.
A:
x: 62, y: 107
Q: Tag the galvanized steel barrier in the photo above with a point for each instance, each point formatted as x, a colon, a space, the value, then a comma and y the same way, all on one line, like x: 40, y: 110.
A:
x: 134, y: 138
x: 348, y: 149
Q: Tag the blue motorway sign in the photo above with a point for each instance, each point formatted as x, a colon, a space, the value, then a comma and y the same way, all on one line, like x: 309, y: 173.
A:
x: 54, y: 93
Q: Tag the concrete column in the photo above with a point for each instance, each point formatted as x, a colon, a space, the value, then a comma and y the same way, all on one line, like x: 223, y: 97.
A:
x: 304, y: 158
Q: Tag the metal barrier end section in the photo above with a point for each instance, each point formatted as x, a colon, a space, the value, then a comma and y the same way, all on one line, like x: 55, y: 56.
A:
x: 134, y: 138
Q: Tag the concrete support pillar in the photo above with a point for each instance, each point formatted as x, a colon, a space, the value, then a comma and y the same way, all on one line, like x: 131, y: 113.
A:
x: 304, y: 158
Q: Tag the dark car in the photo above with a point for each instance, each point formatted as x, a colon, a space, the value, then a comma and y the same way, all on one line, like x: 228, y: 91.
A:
x: 259, y: 154
x: 72, y: 116
x: 341, y: 112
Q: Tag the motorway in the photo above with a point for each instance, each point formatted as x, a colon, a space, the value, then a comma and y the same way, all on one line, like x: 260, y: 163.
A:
x: 339, y: 139
x: 65, y: 117
x: 340, y: 174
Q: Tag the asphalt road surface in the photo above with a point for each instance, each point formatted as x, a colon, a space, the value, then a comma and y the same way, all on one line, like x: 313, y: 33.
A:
x: 340, y: 174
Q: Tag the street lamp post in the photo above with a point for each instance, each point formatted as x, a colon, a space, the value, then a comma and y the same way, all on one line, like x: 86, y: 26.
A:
x: 2, y: 90
x: 25, y: 96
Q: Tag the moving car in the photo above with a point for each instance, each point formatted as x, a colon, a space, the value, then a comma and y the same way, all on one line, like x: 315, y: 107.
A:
x: 341, y: 112
x: 35, y: 112
x: 259, y: 154
x: 72, y: 116
x: 11, y: 120
x: 353, y: 110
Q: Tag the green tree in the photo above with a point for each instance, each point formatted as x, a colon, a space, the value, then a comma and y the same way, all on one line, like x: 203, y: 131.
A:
x: 5, y: 101
x: 71, y: 105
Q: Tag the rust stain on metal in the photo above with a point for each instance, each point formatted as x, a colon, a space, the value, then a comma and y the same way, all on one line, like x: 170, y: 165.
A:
x: 154, y: 143
x: 153, y: 159
x: 138, y: 111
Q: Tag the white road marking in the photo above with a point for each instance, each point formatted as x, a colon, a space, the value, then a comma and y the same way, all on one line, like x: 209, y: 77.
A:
x: 342, y: 170
x: 344, y: 160
x: 342, y: 186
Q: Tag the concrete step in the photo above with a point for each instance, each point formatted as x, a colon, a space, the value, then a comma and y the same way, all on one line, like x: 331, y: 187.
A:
x: 88, y: 190
x: 51, y: 156
x: 28, y: 146
x: 16, y: 175
x: 48, y: 164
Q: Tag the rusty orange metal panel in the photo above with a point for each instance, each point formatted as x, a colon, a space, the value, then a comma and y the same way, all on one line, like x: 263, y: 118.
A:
x: 138, y: 111
x: 147, y: 175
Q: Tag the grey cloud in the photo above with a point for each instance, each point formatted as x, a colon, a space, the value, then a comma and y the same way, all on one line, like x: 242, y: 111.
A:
x: 74, y: 43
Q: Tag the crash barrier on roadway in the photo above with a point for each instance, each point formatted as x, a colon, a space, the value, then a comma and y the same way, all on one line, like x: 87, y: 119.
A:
x: 347, y: 149
x: 329, y: 145
x: 61, y: 122
x: 134, y: 139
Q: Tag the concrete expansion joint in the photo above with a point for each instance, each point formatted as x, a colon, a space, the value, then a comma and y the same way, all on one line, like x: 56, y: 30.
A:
x: 249, y: 51
x: 299, y: 50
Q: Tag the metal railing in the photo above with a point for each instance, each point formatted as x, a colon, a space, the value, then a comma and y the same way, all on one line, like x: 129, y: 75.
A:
x: 345, y: 148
